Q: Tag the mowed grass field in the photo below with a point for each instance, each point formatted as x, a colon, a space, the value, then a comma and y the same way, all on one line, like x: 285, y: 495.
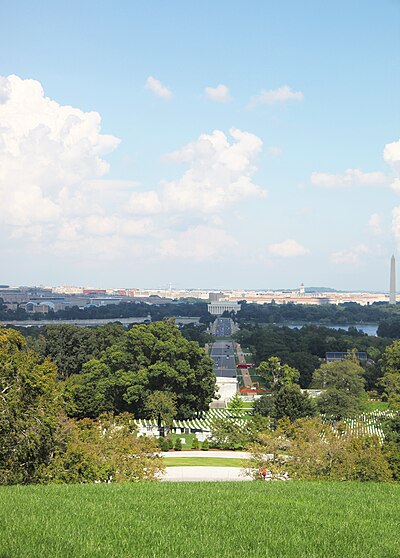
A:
x: 224, y: 520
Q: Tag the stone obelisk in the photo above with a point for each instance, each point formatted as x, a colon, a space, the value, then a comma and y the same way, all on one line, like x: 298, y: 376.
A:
x: 392, y: 292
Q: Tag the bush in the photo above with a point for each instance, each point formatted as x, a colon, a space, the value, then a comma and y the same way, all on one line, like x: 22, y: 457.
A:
x: 178, y: 445
x: 163, y: 444
x: 205, y: 445
x: 170, y: 443
x: 195, y: 443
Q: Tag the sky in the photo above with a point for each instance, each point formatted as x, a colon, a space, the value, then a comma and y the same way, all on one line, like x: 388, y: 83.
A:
x: 231, y: 144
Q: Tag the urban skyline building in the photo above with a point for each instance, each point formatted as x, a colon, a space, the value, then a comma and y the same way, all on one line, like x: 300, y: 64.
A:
x: 392, y: 290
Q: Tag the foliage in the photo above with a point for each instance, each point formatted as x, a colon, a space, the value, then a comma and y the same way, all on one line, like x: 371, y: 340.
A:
x: 161, y: 406
x: 227, y: 434
x: 390, y: 381
x: 72, y: 346
x: 30, y: 407
x: 286, y: 398
x: 178, y: 444
x: 391, y: 446
x: 195, y: 443
x: 105, y: 450
x: 343, y: 385
x: 276, y: 374
x: 205, y: 446
x: 309, y: 449
x: 304, y: 347
x: 287, y: 401
x: 163, y: 443
x: 235, y: 405
x: 147, y: 359
x: 337, y: 314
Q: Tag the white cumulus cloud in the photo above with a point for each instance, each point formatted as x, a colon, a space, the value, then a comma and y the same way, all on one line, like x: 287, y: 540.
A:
x: 155, y: 86
x: 280, y: 95
x: 46, y: 152
x: 351, y: 177
x: 375, y: 224
x: 287, y: 249
x: 352, y: 257
x: 219, y: 174
x: 220, y: 94
x: 199, y: 243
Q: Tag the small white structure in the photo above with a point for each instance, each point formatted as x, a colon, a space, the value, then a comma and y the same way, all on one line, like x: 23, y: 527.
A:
x: 227, y: 388
x: 218, y: 308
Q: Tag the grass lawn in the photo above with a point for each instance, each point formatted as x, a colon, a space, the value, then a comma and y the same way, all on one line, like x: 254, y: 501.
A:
x: 201, y: 520
x: 376, y: 406
x: 188, y: 441
x: 248, y: 405
x: 202, y: 462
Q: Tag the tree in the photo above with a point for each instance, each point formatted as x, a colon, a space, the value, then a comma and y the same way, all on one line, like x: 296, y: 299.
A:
x: 343, y: 385
x: 235, y: 405
x: 390, y: 381
x: 277, y: 374
x: 287, y: 401
x: 227, y: 434
x: 146, y: 359
x: 161, y: 407
x: 30, y: 407
x: 104, y: 450
x: 391, y: 446
x: 310, y: 449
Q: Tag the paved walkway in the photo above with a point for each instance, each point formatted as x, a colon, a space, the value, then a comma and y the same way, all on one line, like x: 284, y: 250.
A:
x: 193, y: 474
x: 225, y: 454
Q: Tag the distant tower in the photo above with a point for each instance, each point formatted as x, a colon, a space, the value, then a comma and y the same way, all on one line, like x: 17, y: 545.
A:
x: 392, y: 293
x: 302, y: 290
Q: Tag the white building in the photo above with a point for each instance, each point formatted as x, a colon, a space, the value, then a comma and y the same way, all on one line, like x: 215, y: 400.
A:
x: 218, y: 308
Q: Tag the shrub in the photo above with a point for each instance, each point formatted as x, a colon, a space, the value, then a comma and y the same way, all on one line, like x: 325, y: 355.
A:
x: 170, y: 443
x: 178, y: 445
x: 195, y: 443
x: 163, y: 443
x: 205, y: 445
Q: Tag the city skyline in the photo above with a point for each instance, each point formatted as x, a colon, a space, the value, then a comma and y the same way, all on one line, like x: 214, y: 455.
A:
x: 215, y: 144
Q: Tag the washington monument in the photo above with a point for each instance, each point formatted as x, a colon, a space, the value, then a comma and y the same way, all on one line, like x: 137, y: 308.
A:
x: 392, y: 292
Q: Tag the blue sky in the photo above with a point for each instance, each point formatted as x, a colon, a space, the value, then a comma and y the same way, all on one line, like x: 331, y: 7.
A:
x: 207, y: 144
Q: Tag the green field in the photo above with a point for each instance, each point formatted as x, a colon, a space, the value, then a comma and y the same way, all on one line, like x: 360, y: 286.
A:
x: 371, y: 406
x: 202, y: 520
x: 202, y: 462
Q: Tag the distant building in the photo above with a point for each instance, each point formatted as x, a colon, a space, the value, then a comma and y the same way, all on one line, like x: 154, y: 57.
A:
x: 218, y: 308
x: 337, y: 356
x: 215, y: 297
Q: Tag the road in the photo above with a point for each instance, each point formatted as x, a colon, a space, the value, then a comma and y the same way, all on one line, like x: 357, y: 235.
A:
x: 223, y: 327
x: 224, y: 360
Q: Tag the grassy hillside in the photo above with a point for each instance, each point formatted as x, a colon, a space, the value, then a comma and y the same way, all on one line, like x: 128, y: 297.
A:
x: 203, y: 520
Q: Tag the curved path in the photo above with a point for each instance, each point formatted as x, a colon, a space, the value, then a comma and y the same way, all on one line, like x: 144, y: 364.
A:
x: 193, y: 474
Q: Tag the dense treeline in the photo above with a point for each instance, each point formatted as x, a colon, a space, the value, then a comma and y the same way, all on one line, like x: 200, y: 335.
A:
x: 337, y: 314
x: 68, y: 398
x: 115, y: 311
x: 303, y: 348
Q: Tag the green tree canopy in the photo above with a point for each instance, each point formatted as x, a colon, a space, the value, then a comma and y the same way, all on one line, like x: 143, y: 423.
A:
x: 277, y: 374
x: 390, y: 381
x: 30, y: 407
x: 146, y: 359
x: 343, y: 384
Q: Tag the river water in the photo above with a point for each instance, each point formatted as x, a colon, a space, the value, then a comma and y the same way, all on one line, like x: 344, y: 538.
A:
x: 369, y: 329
